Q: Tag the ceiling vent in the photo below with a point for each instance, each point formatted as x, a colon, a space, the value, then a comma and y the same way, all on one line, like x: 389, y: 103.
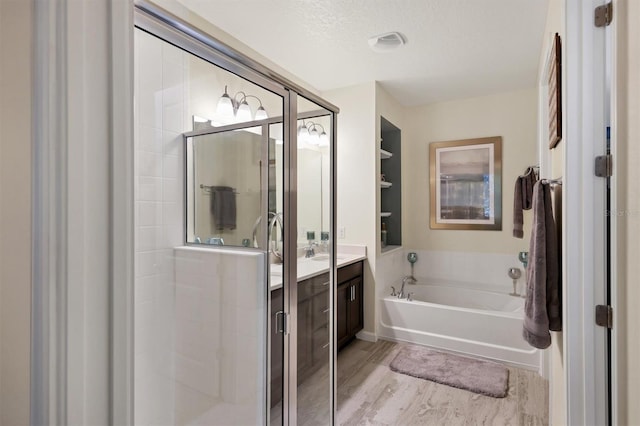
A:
x: 386, y: 42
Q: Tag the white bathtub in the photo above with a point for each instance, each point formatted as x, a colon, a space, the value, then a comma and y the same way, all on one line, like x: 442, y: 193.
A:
x: 476, y: 322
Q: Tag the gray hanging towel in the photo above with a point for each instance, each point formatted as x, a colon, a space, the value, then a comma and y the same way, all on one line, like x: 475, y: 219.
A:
x: 542, y: 303
x: 522, y: 199
x: 223, y: 207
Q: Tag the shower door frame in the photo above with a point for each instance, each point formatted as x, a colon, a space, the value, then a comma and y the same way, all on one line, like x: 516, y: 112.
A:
x: 160, y: 23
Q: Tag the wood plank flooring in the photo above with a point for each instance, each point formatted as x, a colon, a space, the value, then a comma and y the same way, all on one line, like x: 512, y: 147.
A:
x: 369, y: 393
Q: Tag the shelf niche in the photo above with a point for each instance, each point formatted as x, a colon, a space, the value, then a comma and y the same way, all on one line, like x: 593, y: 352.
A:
x: 391, y: 168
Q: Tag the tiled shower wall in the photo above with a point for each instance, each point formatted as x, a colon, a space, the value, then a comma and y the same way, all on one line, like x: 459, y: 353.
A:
x: 199, y: 313
x: 161, y: 76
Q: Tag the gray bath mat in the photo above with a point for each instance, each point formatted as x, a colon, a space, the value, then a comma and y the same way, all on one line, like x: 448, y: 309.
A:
x: 484, y: 377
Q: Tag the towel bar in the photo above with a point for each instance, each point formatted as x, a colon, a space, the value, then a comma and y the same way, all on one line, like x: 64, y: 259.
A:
x: 207, y: 189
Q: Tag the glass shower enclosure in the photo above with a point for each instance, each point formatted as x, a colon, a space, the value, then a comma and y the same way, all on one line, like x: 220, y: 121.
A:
x: 234, y: 249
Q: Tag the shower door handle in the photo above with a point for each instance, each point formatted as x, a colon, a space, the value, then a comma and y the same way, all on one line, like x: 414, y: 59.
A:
x: 281, y: 322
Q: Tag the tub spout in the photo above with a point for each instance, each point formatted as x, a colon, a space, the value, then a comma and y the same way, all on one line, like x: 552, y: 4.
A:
x: 409, y: 278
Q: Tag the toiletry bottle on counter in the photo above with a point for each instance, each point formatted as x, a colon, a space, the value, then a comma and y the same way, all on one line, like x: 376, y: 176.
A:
x: 383, y: 234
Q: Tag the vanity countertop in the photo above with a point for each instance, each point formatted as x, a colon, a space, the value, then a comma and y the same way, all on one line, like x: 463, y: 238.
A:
x: 308, y: 268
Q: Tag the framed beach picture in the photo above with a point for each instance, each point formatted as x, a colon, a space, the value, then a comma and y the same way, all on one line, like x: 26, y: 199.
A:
x: 466, y: 184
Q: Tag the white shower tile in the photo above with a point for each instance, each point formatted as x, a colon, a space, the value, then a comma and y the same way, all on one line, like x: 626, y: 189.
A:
x: 149, y: 213
x: 149, y: 164
x: 173, y: 236
x: 172, y: 54
x: 144, y: 290
x: 149, y: 188
x: 149, y: 139
x: 189, y: 304
x: 147, y: 264
x: 148, y: 237
x: 172, y: 167
x: 172, y: 191
x: 197, y: 375
x: 172, y: 214
x: 172, y: 143
x: 150, y: 105
x: 172, y: 84
x: 173, y: 117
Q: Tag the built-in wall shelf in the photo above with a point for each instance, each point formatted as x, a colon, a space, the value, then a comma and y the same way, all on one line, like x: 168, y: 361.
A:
x: 390, y: 193
x: 388, y: 249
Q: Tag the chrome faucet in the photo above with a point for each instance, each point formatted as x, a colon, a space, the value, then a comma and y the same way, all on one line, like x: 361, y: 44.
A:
x: 276, y: 256
x: 310, y: 251
x: 404, y: 281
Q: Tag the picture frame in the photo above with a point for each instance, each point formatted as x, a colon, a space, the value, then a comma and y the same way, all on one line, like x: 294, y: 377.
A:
x: 466, y: 184
x: 555, y: 92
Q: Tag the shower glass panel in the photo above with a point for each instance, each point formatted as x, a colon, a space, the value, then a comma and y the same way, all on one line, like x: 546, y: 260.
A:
x: 208, y: 242
x: 315, y: 285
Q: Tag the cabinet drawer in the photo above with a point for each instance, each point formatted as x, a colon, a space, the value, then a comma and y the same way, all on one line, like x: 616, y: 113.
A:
x: 321, y: 346
x: 349, y: 272
x: 320, y: 283
x: 320, y: 310
x: 305, y: 289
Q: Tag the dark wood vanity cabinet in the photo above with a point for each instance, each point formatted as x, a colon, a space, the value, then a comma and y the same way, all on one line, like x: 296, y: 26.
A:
x: 349, y: 304
x: 277, y: 347
x: 313, y: 322
x: 313, y: 325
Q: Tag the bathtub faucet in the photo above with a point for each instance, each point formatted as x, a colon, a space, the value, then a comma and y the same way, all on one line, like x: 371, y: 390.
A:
x: 409, y: 278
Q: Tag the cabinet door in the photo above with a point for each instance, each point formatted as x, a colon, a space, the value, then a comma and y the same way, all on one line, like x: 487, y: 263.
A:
x: 355, y: 315
x: 277, y: 341
x: 305, y: 330
x: 342, y: 311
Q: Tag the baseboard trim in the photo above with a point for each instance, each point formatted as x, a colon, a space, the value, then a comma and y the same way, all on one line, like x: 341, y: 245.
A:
x: 367, y: 336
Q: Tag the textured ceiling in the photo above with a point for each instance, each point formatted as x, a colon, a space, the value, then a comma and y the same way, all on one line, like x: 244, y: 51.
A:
x: 455, y: 48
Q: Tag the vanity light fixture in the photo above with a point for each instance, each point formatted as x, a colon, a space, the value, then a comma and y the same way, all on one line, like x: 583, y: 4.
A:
x: 308, y: 132
x: 237, y: 107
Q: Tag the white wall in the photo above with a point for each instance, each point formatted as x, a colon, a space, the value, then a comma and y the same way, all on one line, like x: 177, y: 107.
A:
x: 627, y: 125
x: 513, y: 116
x: 553, y: 166
x: 357, y: 186
x: 15, y: 210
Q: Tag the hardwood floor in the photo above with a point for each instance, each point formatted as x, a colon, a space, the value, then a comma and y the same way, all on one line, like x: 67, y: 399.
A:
x: 369, y: 393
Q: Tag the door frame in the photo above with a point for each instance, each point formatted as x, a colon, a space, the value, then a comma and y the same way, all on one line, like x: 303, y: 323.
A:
x: 584, y: 218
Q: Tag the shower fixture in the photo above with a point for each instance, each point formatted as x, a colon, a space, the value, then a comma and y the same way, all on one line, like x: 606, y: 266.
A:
x: 412, y: 257
x: 238, y: 108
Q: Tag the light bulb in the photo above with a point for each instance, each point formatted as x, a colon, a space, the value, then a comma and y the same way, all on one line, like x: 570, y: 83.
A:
x: 244, y: 113
x: 324, y: 139
x: 225, y: 106
x: 261, y: 113
x: 314, y: 136
x: 303, y: 133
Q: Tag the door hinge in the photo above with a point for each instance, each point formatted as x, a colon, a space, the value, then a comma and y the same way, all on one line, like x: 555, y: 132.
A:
x: 282, y: 323
x: 604, y: 165
x: 603, y: 15
x: 604, y: 316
